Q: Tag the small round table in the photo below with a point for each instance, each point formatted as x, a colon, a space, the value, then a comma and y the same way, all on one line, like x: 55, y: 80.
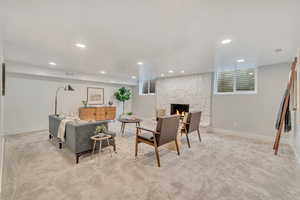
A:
x: 129, y: 121
x: 99, y: 138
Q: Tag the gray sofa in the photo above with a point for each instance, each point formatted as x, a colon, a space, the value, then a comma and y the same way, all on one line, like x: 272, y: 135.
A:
x: 78, y: 134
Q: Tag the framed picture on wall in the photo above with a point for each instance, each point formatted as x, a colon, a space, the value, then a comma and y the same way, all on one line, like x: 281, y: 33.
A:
x: 95, y: 96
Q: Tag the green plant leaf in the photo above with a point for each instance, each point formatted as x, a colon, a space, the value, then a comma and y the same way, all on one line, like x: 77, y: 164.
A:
x: 123, y: 94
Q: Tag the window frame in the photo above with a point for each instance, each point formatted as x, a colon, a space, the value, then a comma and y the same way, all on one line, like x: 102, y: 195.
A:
x: 216, y: 76
x: 141, y: 86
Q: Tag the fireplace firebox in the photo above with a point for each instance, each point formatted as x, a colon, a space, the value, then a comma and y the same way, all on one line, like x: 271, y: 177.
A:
x: 179, y: 109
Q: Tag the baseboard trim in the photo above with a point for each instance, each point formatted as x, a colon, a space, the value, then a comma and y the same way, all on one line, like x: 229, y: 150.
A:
x: 295, y: 152
x: 22, y: 131
x: 284, y: 139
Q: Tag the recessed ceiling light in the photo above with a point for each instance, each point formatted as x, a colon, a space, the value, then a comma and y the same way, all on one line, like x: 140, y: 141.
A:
x: 171, y: 71
x: 133, y: 77
x: 162, y: 75
x: 226, y: 41
x: 140, y: 63
x: 52, y: 63
x: 79, y: 45
x: 182, y: 71
x: 240, y: 60
x: 102, y: 72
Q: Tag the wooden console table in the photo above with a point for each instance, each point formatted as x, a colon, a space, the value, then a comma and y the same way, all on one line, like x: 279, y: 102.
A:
x: 97, y: 113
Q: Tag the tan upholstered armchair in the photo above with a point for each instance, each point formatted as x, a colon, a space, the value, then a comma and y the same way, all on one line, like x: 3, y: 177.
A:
x: 166, y: 131
x: 191, y: 124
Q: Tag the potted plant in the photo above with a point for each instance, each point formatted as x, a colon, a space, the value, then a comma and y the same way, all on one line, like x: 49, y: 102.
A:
x: 130, y: 115
x: 100, y: 130
x: 123, y: 95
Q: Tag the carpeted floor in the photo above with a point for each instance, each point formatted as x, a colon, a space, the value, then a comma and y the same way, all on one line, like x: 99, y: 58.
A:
x: 221, y: 167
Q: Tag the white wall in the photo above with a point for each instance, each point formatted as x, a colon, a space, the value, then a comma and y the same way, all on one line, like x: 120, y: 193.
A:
x: 30, y: 100
x: 253, y: 113
x: 144, y: 106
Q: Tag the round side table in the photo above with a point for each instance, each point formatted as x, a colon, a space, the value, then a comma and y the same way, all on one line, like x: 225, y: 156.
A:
x: 128, y: 121
x: 98, y: 138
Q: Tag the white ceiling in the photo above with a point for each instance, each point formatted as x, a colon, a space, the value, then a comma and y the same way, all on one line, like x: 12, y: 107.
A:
x: 164, y: 34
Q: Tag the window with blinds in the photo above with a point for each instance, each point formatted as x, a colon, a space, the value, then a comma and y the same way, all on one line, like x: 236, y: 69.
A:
x: 147, y: 87
x: 236, y: 81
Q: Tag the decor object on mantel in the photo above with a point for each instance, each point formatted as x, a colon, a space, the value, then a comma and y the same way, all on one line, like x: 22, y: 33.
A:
x: 95, y: 96
x: 84, y: 102
x: 66, y: 88
x: 97, y: 113
x: 123, y: 95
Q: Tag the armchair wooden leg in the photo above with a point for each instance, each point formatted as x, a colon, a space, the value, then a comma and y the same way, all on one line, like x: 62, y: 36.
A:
x: 77, y: 157
x: 94, y: 147
x: 157, y: 156
x: 115, y: 148
x: 123, y: 128
x: 136, y: 148
x: 176, y: 142
x: 188, y: 140
x: 199, y: 135
x: 136, y: 142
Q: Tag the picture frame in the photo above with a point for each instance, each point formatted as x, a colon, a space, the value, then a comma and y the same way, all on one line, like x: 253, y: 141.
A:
x: 95, y: 96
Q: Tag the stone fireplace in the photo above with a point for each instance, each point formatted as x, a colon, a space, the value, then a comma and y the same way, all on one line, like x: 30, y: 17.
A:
x: 179, y: 109
x: 194, y: 90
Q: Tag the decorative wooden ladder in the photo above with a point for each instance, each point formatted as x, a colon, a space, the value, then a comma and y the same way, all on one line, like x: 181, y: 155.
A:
x: 291, y: 94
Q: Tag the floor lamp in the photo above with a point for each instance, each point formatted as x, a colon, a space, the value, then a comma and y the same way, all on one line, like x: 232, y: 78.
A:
x: 66, y: 88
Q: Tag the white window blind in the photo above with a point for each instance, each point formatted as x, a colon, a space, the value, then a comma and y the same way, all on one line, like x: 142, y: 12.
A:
x: 225, y: 81
x: 236, y: 81
x: 245, y: 80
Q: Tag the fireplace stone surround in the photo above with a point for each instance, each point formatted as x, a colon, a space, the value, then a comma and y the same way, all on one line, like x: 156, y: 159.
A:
x: 195, y: 90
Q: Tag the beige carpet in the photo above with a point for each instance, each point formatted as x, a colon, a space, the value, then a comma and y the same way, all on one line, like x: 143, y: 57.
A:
x: 221, y: 167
